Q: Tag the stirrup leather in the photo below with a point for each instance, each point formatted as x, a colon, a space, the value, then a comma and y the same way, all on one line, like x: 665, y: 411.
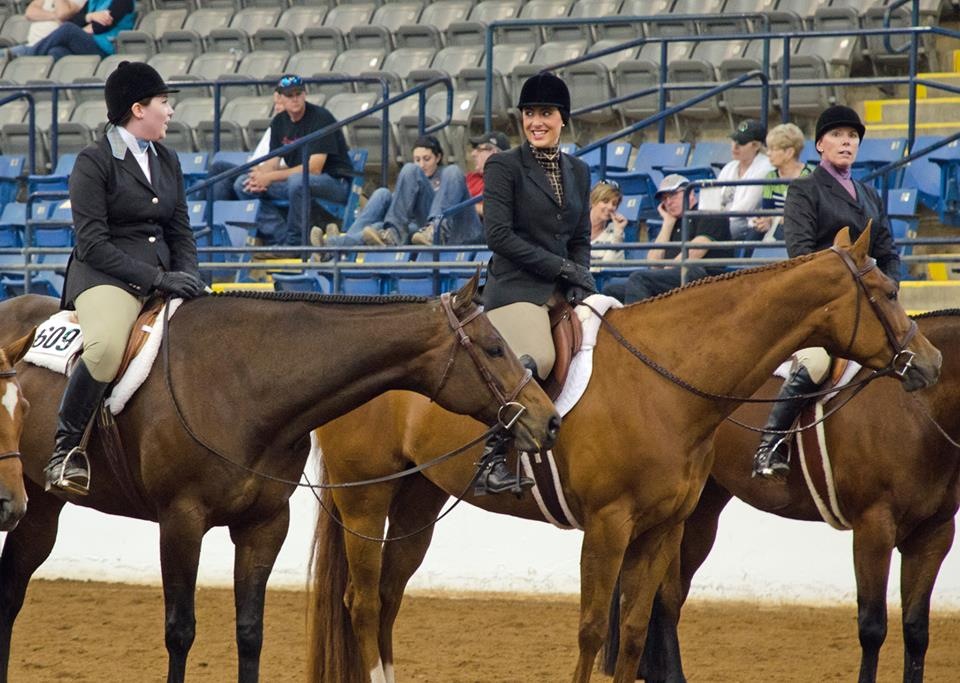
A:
x: 55, y: 475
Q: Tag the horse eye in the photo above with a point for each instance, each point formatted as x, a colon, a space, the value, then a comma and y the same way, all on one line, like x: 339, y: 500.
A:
x: 496, y: 351
x: 892, y: 296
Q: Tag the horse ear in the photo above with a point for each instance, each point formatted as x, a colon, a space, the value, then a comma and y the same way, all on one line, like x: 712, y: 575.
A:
x: 862, y: 246
x: 16, y: 350
x: 465, y: 295
x: 843, y: 237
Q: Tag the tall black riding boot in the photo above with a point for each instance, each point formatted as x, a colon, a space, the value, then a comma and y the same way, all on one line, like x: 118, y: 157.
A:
x: 772, y: 458
x: 494, y: 476
x: 68, y: 468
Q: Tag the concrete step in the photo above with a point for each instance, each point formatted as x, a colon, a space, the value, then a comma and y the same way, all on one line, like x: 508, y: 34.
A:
x: 936, y: 110
x: 889, y: 130
x: 918, y: 296
x: 951, y: 78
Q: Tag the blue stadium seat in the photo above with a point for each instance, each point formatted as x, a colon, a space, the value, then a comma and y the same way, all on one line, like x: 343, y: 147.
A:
x: 705, y: 162
x: 307, y: 281
x: 194, y: 167
x: 652, y: 157
x: 618, y: 156
x: 923, y: 174
x: 947, y: 158
x: 56, y: 181
x: 11, y: 169
x: 902, y: 210
x: 877, y: 152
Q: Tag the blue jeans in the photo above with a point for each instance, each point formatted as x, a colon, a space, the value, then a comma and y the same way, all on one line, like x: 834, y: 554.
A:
x: 66, y: 39
x: 372, y: 214
x: 414, y: 203
x: 288, y: 231
x: 224, y: 189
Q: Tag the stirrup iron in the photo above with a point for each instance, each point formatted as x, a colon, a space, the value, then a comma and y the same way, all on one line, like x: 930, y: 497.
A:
x: 77, y: 486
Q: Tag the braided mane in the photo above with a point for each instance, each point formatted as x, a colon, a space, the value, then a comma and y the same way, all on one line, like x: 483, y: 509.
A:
x: 317, y: 298
x: 937, y: 314
x: 779, y: 265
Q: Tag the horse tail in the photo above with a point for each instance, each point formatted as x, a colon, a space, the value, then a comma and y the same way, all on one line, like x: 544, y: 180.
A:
x: 333, y: 653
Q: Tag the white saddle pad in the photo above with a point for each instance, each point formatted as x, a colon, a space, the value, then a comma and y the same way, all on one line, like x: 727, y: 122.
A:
x: 59, y: 342
x: 581, y: 367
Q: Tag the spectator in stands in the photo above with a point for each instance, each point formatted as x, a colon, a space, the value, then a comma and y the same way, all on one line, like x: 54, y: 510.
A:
x: 224, y: 189
x: 537, y: 220
x: 703, y: 229
x: 91, y: 31
x: 606, y: 223
x: 133, y: 238
x: 46, y: 15
x: 481, y: 147
x: 329, y: 164
x: 425, y: 188
x: 817, y: 207
x: 749, y: 163
x: 784, y: 147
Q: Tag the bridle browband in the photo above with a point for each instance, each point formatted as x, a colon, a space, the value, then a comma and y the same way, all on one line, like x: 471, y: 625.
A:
x: 9, y: 374
x: 506, y: 400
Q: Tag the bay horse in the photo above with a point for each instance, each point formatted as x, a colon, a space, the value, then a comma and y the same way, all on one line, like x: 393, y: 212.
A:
x: 13, y: 411
x: 250, y: 375
x: 898, y: 485
x: 633, y: 455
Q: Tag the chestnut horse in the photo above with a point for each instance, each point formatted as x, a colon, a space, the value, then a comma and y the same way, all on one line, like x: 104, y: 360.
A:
x: 898, y: 485
x: 13, y: 411
x: 633, y: 455
x: 250, y: 375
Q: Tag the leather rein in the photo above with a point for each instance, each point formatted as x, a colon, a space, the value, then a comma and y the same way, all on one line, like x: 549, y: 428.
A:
x: 900, y: 362
x: 9, y: 374
x: 462, y: 339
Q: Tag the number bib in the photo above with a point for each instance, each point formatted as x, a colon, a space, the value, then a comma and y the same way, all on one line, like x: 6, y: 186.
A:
x: 56, y: 342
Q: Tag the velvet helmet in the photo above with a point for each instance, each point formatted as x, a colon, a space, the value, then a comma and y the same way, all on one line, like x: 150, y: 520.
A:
x: 837, y: 116
x: 546, y: 90
x: 130, y: 83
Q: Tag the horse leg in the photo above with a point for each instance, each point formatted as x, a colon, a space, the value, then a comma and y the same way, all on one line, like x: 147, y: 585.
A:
x: 181, y: 533
x: 24, y: 550
x: 922, y: 554
x: 661, y: 656
x: 365, y: 513
x: 416, y: 505
x: 873, y: 542
x: 645, y: 566
x: 257, y: 546
x: 604, y: 542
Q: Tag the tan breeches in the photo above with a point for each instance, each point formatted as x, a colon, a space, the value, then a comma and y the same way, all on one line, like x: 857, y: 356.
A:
x: 106, y: 314
x: 816, y: 360
x: 526, y: 329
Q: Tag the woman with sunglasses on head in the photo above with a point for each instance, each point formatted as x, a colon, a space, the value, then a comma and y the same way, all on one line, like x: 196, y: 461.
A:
x: 784, y: 147
x: 537, y: 219
x: 133, y: 238
x: 817, y: 207
x: 606, y: 223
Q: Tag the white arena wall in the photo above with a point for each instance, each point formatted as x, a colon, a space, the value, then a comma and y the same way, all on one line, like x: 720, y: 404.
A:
x: 757, y: 556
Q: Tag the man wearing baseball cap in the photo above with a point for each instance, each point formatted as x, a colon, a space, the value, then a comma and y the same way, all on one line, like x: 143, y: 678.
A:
x: 329, y: 160
x: 482, y: 147
x: 704, y: 229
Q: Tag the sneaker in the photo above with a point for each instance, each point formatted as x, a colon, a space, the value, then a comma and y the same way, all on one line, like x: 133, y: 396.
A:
x: 316, y: 236
x: 423, y: 236
x: 332, y: 230
x: 390, y: 237
x: 372, y: 236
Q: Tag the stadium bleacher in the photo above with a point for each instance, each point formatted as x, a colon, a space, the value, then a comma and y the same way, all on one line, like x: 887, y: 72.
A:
x: 405, y: 43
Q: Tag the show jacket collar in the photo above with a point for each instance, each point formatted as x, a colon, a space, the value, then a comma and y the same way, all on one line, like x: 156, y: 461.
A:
x: 836, y: 189
x: 119, y: 149
x: 534, y: 171
x: 118, y: 146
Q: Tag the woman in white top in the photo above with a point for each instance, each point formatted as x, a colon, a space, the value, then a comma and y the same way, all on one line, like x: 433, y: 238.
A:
x: 749, y: 163
x: 606, y: 223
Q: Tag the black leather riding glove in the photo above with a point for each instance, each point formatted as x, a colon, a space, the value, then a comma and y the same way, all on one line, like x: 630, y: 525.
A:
x: 577, y: 276
x: 179, y: 283
x: 576, y: 295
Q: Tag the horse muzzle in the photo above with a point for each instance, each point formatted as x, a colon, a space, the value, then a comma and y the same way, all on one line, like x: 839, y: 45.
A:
x: 11, y: 512
x: 919, y: 370
x: 535, y: 438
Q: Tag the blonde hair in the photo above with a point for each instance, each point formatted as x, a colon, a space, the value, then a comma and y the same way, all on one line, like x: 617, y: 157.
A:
x: 786, y: 136
x: 604, y: 192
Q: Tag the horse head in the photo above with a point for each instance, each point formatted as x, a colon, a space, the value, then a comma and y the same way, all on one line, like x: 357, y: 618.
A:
x: 497, y: 388
x: 881, y: 330
x: 13, y: 411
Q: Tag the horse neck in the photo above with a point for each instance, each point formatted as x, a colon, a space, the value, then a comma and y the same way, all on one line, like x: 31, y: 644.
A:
x: 308, y: 363
x: 728, y: 334
x: 942, y: 398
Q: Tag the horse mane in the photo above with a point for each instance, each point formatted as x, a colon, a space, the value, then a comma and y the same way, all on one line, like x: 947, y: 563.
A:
x: 778, y: 265
x: 936, y: 314
x: 317, y: 298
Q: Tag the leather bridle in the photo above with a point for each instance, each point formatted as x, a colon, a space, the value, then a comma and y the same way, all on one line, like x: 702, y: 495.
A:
x: 507, y: 400
x: 9, y: 374
x: 902, y: 359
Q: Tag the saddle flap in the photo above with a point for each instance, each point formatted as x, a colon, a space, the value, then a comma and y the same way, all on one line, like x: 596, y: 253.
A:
x: 141, y: 330
x: 567, y: 334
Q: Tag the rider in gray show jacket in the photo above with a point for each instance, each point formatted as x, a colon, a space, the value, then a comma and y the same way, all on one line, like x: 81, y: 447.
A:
x: 537, y: 218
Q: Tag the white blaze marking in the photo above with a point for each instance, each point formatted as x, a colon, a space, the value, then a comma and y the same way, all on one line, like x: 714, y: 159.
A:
x: 10, y: 398
x: 388, y: 671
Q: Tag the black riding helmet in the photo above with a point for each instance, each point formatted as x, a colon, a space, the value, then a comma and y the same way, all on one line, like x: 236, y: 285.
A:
x: 546, y: 90
x: 837, y: 116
